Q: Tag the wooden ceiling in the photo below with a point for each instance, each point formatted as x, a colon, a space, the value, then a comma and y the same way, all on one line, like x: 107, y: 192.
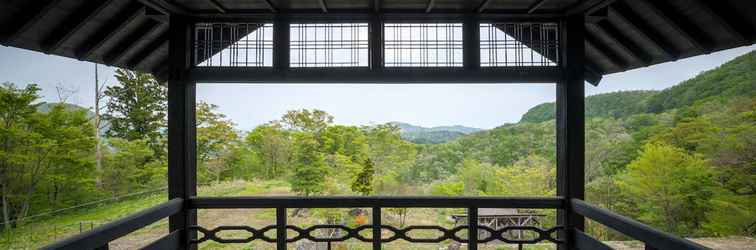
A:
x: 621, y: 34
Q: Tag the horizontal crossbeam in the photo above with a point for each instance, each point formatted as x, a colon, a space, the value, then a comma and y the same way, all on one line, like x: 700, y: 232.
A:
x: 372, y: 201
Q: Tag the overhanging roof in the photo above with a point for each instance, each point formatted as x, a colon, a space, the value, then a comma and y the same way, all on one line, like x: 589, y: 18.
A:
x: 620, y: 35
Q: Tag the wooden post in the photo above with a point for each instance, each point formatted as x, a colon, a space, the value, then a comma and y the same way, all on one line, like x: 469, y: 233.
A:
x: 182, y: 159
x: 376, y: 228
x: 281, y: 43
x: 471, y: 42
x: 570, y: 115
x: 375, y: 41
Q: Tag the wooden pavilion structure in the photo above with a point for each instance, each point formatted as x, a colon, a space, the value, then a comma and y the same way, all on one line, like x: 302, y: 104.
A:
x: 566, y: 42
x: 499, y: 218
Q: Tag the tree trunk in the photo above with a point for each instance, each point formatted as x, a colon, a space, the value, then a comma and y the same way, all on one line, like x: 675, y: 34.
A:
x: 6, y: 218
x: 98, y: 147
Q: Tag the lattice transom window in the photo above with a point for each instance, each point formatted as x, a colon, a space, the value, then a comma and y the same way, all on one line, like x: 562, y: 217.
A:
x: 519, y: 44
x: 423, y: 45
x: 233, y: 45
x: 328, y: 45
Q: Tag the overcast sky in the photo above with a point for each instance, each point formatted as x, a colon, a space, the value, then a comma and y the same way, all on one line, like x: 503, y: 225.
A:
x: 248, y: 105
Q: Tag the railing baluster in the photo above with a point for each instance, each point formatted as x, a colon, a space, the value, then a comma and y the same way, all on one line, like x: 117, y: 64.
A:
x: 376, y: 228
x: 281, y: 228
x: 472, y: 228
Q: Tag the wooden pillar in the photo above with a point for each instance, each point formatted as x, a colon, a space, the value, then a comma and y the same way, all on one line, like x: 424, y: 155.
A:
x: 281, y: 43
x: 182, y: 159
x: 376, y: 42
x: 570, y: 118
x: 471, y: 42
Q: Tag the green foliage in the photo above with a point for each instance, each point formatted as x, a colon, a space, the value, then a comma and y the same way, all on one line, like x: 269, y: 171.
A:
x: 309, y: 166
x: 607, y: 105
x: 734, y: 78
x: 137, y: 109
x: 270, y: 149
x: 43, y: 156
x: 216, y: 142
x: 306, y: 120
x: 363, y: 183
x: 671, y: 189
x: 130, y: 167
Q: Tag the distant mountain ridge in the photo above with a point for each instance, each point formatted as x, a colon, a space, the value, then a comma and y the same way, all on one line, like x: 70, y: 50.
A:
x: 433, y: 135
x: 732, y: 79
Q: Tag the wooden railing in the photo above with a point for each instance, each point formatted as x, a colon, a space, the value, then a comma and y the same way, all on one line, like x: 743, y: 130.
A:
x: 652, y: 238
x: 100, y: 237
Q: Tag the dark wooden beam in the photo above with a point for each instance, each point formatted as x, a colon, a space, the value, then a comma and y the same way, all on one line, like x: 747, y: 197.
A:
x: 570, y: 125
x: 28, y: 20
x: 74, y: 23
x: 281, y: 44
x: 533, y: 7
x: 167, y: 7
x: 127, y: 44
x: 604, y: 50
x: 587, y: 6
x: 626, y: 15
x: 323, y: 6
x: 375, y: 41
x: 373, y: 201
x: 182, y: 128
x: 366, y: 75
x: 113, y: 26
x: 598, y: 15
x: 623, y: 42
x: 148, y: 51
x: 673, y: 19
x: 471, y: 43
x: 483, y: 6
x: 272, y: 7
x: 217, y: 5
x: 430, y: 5
x: 732, y: 22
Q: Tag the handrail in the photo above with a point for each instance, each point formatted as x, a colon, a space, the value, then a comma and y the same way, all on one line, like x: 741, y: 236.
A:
x: 634, y: 229
x: 373, y: 201
x: 104, y: 234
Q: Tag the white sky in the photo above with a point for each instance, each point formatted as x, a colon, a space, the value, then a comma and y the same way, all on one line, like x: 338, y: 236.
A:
x: 248, y: 105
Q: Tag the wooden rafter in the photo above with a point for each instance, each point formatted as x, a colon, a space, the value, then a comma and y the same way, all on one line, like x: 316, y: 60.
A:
x: 537, y: 4
x: 483, y: 6
x: 30, y: 19
x: 648, y: 33
x: 622, y: 41
x: 130, y: 42
x: 429, y: 6
x: 588, y: 6
x: 218, y: 6
x: 733, y: 23
x: 673, y: 19
x: 148, y: 51
x: 74, y: 23
x: 109, y: 30
x: 167, y: 7
x: 272, y: 7
x: 604, y: 50
x: 323, y: 6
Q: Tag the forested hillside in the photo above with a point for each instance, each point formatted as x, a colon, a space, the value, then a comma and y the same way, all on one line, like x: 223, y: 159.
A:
x: 434, y: 135
x: 682, y: 159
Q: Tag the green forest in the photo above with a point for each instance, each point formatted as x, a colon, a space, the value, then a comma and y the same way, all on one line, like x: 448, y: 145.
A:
x: 682, y: 159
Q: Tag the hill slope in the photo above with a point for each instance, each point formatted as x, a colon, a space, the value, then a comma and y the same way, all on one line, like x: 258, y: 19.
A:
x: 734, y: 78
x: 433, y: 135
